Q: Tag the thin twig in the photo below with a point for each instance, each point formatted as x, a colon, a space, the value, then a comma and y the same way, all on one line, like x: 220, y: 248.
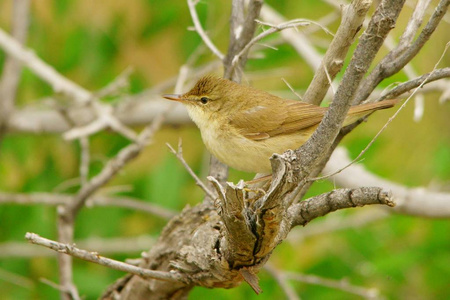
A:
x: 16, y: 279
x: 61, y: 84
x: 292, y: 89
x: 281, y: 279
x: 201, y: 32
x: 273, y: 29
x: 114, y: 165
x: 111, y: 246
x: 114, y: 86
x: 179, y: 155
x: 342, y: 284
x: 298, y: 40
x: 84, y: 160
x: 110, y: 263
x: 411, y: 84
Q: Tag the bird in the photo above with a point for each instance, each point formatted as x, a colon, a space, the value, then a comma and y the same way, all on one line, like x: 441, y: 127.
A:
x: 243, y: 126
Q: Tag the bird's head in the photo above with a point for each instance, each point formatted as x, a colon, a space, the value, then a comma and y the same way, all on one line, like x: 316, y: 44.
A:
x: 209, y: 95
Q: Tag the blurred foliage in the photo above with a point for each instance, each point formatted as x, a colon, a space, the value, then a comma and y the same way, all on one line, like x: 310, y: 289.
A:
x: 91, y: 42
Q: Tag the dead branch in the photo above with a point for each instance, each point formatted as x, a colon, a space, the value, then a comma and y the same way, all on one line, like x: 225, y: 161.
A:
x: 352, y: 18
x: 107, y: 262
x: 303, y: 212
x: 55, y: 199
x: 200, y: 31
x: 405, y: 87
x: 342, y: 284
x: 12, y: 68
x: 381, y: 23
x: 179, y: 156
x: 102, y: 245
x: 395, y: 60
x: 411, y: 201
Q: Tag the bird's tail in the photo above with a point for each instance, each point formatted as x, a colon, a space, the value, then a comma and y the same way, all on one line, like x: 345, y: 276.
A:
x: 357, y: 112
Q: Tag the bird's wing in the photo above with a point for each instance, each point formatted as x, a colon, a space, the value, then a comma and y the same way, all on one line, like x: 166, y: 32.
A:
x: 287, y: 116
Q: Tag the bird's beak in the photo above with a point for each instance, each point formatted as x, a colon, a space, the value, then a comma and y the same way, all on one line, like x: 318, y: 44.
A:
x: 173, y: 97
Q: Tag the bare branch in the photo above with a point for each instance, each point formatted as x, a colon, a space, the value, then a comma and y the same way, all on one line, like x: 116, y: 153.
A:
x: 12, y: 68
x: 110, y: 246
x: 114, y: 86
x: 55, y: 199
x: 16, y: 279
x: 107, y: 262
x: 382, y: 22
x: 113, y: 166
x: 59, y: 83
x: 411, y: 84
x: 84, y: 160
x: 352, y: 18
x: 413, y: 25
x: 410, y: 201
x: 305, y: 211
x: 292, y: 89
x: 179, y: 155
x: 297, y: 39
x: 273, y: 29
x: 342, y: 284
x: 281, y: 279
x: 242, y: 30
x: 200, y: 31
x: 240, y: 239
x: 388, y: 122
x: 395, y: 60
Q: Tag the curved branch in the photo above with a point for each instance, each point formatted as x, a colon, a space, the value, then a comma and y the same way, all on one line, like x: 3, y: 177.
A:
x: 409, y: 201
x: 58, y: 82
x: 107, y: 262
x: 201, y: 32
x: 411, y: 84
x: 318, y: 206
x: 332, y: 62
x: 380, y: 25
x: 395, y: 60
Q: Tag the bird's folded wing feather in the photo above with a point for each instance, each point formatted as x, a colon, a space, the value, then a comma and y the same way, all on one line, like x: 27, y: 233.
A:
x: 288, y: 116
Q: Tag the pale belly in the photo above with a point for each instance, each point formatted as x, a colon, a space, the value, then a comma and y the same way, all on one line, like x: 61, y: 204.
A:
x: 247, y: 155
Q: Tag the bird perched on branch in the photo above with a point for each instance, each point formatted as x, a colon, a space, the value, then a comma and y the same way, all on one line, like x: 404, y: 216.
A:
x: 243, y: 126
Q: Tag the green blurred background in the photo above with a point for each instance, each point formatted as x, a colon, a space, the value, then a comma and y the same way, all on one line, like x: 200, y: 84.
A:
x: 91, y: 42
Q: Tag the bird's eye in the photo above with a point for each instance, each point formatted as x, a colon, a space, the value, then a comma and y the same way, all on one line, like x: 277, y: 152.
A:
x: 204, y: 100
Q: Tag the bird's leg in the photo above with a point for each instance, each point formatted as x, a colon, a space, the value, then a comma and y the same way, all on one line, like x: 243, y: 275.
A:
x: 257, y: 186
x: 263, y: 178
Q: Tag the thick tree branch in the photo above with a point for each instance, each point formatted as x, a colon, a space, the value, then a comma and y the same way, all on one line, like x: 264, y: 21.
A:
x: 352, y: 18
x: 395, y: 60
x: 381, y: 23
x: 410, y: 201
x: 242, y: 29
x: 305, y: 211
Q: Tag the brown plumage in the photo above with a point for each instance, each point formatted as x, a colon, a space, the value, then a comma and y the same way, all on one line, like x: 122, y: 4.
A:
x: 243, y: 126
